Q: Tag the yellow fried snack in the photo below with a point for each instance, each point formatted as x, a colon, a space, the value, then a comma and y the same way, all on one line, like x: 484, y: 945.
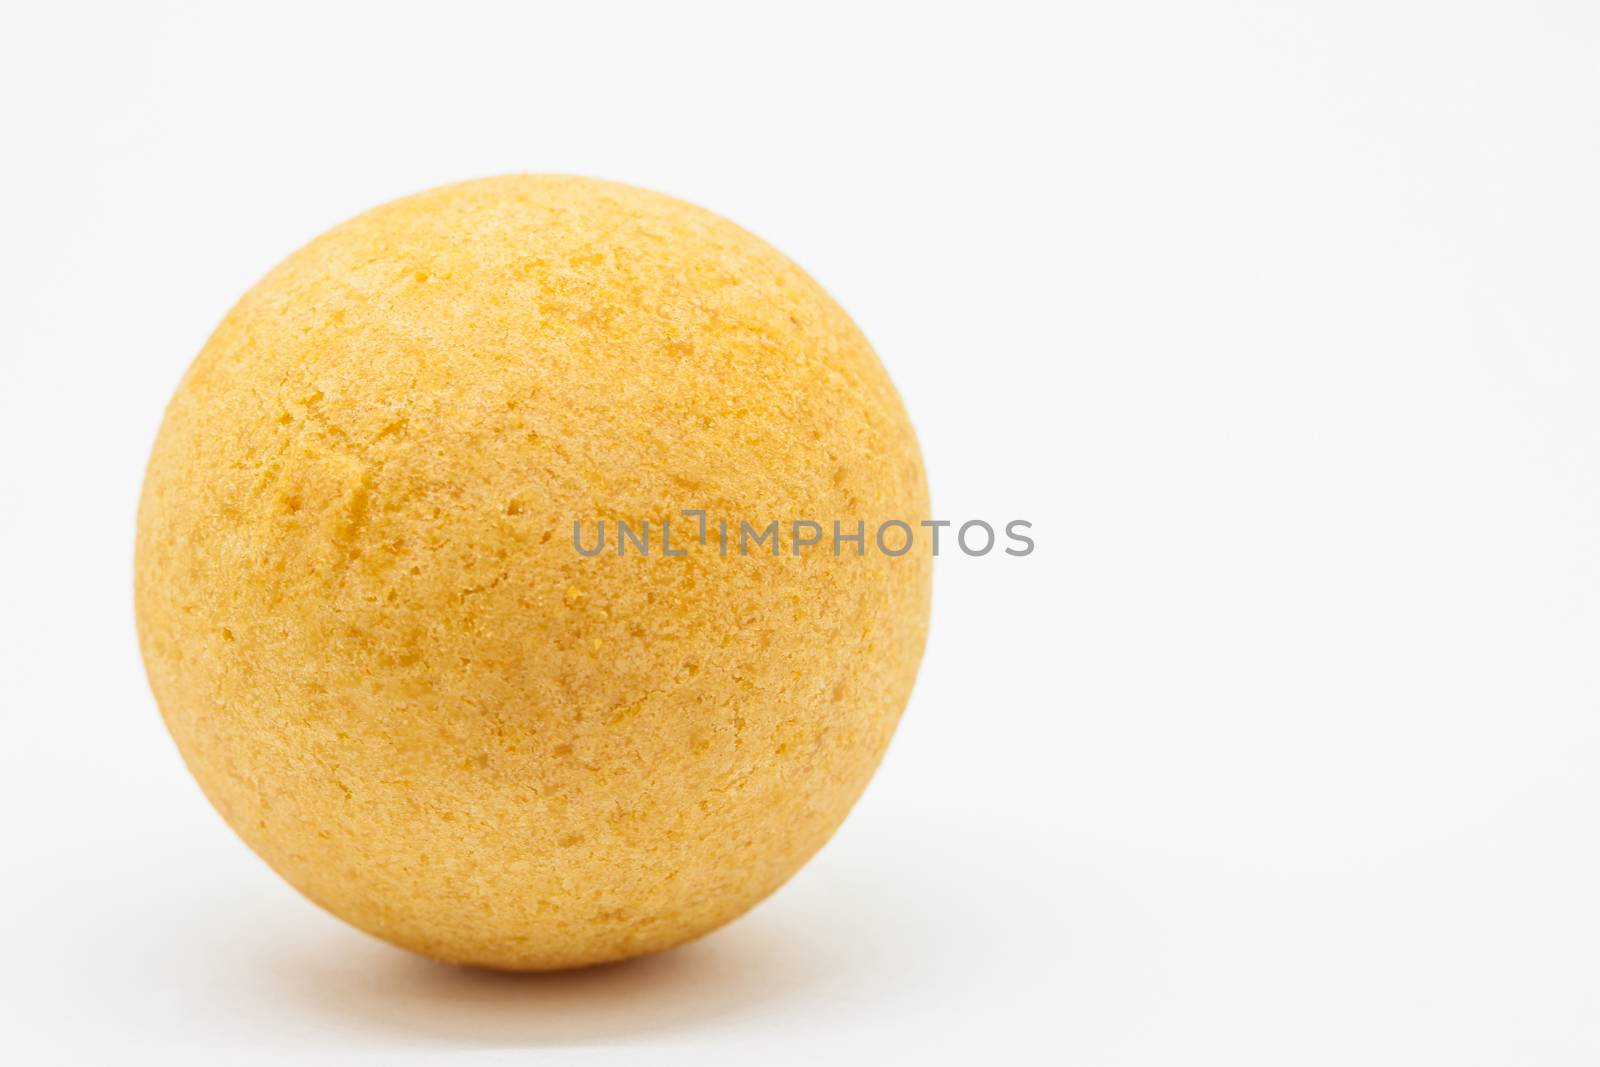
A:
x: 368, y: 611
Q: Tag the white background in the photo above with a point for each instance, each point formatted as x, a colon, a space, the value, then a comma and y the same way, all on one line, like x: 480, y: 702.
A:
x: 1280, y: 320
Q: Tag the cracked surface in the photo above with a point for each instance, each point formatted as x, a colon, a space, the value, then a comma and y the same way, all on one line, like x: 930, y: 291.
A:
x: 370, y: 634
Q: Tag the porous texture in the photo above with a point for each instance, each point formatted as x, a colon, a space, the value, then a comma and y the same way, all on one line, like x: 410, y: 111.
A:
x: 370, y: 634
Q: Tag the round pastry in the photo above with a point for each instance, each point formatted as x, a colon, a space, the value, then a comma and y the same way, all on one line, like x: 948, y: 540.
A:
x: 376, y: 621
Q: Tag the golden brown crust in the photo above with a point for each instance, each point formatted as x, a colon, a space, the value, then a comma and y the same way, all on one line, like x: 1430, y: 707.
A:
x: 369, y: 632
